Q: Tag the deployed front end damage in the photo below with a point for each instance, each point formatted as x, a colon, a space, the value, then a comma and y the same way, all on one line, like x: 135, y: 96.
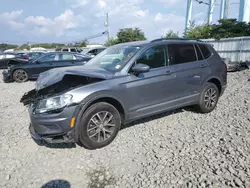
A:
x: 52, y: 110
x: 68, y: 83
x: 61, y: 80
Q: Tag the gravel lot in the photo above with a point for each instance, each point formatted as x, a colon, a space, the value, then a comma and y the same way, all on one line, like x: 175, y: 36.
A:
x: 176, y: 149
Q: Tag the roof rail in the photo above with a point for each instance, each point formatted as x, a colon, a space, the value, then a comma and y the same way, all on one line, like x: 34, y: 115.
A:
x: 163, y: 39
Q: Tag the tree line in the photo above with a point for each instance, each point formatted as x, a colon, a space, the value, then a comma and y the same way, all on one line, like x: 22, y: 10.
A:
x: 225, y: 28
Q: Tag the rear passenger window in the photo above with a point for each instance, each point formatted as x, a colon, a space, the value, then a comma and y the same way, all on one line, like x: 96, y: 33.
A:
x: 66, y: 57
x: 181, y: 53
x: 153, y: 57
x: 205, y: 51
x: 198, y: 51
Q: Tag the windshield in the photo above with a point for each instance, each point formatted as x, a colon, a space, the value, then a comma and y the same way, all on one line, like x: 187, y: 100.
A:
x: 85, y: 50
x: 113, y: 59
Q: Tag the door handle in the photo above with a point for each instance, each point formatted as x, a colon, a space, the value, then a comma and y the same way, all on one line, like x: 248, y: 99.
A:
x: 168, y: 72
x: 203, y: 65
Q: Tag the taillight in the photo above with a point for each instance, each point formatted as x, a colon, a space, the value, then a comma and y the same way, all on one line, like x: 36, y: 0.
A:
x: 224, y: 67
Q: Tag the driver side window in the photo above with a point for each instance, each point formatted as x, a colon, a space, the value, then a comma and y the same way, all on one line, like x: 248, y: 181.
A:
x: 154, y: 57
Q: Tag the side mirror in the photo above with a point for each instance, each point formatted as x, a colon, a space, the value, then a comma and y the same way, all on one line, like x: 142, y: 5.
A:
x: 140, y: 68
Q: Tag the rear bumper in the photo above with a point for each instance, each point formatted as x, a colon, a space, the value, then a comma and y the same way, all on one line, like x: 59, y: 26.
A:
x: 223, y: 88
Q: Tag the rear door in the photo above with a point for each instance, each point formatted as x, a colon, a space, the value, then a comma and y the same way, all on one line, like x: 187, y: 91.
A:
x: 66, y: 60
x: 190, y: 68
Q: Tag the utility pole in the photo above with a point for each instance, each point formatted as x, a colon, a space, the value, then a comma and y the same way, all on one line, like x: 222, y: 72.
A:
x: 188, y: 15
x: 210, y: 11
x: 107, y: 25
x: 244, y: 12
x: 226, y: 13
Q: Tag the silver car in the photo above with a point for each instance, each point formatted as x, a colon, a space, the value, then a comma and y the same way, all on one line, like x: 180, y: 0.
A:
x: 125, y: 82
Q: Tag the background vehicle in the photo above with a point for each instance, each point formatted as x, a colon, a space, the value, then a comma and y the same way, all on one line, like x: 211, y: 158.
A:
x: 90, y: 103
x: 69, y: 49
x: 6, y: 57
x: 92, y: 51
x: 22, y: 71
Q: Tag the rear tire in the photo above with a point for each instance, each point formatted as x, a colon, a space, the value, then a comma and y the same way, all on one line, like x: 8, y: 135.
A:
x: 20, y: 75
x: 208, y: 99
x: 99, y: 125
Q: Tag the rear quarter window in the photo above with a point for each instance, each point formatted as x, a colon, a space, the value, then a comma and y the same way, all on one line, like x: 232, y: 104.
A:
x: 205, y: 51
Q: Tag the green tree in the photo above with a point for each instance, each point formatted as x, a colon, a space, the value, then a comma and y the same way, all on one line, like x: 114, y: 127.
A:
x: 171, y: 34
x: 111, y: 42
x: 225, y: 28
x: 24, y: 46
x: 8, y: 46
x: 81, y: 44
x: 130, y: 34
x: 47, y: 45
x: 230, y: 28
x: 199, y: 32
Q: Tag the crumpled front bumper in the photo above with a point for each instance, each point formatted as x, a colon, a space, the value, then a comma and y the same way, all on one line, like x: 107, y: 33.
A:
x: 53, y: 138
x: 7, y: 77
x: 54, y: 127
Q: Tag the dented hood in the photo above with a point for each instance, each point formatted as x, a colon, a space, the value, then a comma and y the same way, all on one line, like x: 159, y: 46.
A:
x: 55, y: 75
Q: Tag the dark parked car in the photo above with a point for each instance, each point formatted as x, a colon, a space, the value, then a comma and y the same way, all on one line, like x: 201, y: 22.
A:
x: 21, y: 71
x: 5, y: 58
x: 123, y: 83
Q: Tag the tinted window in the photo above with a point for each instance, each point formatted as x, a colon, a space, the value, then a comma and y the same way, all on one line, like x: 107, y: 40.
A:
x: 46, y: 58
x: 73, y: 50
x: 65, y: 57
x: 198, y: 51
x: 94, y: 52
x: 153, y: 57
x: 181, y: 53
x: 205, y: 51
x: 65, y: 50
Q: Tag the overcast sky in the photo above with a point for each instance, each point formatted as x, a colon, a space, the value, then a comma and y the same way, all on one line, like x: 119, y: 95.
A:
x: 70, y: 20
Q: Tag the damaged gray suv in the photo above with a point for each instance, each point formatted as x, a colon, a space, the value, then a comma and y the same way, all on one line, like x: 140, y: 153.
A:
x: 125, y: 82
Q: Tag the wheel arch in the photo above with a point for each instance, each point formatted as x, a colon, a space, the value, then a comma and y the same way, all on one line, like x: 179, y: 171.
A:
x: 215, y: 81
x: 81, y: 109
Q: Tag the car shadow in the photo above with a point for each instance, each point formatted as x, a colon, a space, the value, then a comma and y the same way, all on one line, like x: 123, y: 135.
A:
x: 57, y: 184
x: 55, y: 146
x: 154, y: 117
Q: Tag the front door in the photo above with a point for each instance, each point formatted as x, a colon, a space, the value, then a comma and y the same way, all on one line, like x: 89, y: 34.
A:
x: 149, y: 92
x: 43, y: 64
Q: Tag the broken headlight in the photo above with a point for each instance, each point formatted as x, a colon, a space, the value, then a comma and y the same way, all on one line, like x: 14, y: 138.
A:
x: 53, y: 103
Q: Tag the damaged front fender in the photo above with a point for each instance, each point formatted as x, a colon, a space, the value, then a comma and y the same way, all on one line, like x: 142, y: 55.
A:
x: 68, y: 83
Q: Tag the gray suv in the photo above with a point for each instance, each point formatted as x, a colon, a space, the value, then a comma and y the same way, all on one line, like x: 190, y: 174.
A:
x: 125, y: 82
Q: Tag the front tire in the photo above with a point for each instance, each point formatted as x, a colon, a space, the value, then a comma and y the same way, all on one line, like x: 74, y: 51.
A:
x: 208, y: 98
x: 99, y: 125
x: 20, y: 75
